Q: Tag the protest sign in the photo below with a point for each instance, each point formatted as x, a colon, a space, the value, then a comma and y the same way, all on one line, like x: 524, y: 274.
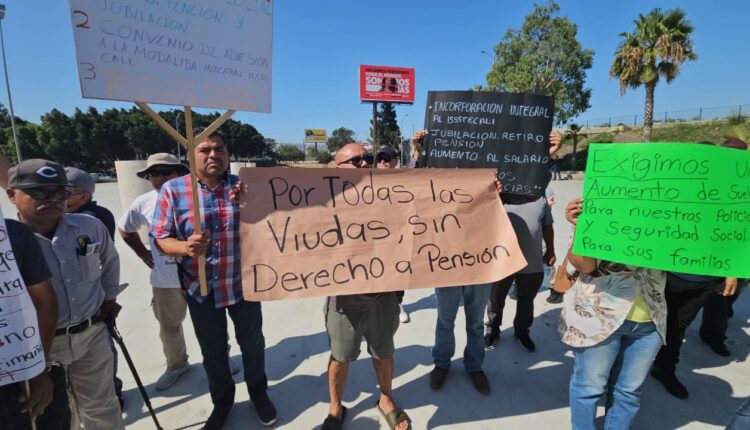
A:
x: 328, y: 232
x: 506, y: 131
x: 197, y: 53
x: 672, y: 206
x: 386, y: 84
x: 21, y: 352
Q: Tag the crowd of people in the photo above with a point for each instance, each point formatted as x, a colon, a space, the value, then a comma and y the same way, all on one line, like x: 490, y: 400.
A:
x: 621, y: 321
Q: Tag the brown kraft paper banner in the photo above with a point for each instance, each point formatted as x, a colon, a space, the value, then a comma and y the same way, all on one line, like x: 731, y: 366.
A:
x: 329, y: 232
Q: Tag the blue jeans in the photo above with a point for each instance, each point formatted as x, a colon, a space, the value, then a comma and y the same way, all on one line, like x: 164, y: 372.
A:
x: 449, y: 299
x: 741, y: 418
x: 616, y: 367
x: 210, y: 324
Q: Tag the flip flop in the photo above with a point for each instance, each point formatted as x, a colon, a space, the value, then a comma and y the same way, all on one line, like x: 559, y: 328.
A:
x: 394, y: 417
x: 333, y: 423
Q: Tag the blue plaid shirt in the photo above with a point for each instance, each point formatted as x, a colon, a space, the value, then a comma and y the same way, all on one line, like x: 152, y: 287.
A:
x: 173, y: 217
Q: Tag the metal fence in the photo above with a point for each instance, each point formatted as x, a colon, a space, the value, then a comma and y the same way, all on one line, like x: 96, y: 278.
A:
x: 685, y: 115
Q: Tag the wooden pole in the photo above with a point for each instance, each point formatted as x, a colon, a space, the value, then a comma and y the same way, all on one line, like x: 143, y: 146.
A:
x: 214, y: 126
x: 189, y: 143
x: 196, y: 198
x: 27, y: 388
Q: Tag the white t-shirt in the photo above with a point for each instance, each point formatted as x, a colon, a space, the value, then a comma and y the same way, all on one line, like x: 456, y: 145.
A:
x: 140, y: 214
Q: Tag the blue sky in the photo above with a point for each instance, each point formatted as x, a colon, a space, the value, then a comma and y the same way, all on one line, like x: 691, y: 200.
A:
x: 319, y: 45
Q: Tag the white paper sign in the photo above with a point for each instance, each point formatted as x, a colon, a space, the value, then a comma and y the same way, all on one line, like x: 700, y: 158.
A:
x: 198, y: 53
x: 21, y: 352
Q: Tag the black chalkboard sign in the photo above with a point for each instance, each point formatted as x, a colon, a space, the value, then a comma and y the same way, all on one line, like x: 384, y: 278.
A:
x: 506, y: 131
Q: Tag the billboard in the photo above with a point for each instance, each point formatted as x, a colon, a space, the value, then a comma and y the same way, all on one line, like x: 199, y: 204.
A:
x: 315, y: 135
x: 386, y: 84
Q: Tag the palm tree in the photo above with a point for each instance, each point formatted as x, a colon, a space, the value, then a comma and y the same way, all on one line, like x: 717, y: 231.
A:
x: 657, y: 48
x: 574, y: 132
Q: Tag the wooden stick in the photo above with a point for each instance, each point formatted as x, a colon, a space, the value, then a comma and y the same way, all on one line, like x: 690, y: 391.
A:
x: 27, y: 388
x: 196, y: 197
x: 163, y: 124
x: 214, y: 125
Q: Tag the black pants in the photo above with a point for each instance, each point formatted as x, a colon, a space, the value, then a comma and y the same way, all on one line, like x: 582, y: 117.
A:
x: 55, y: 417
x: 210, y: 324
x: 527, y: 286
x: 716, y: 316
x: 684, y: 301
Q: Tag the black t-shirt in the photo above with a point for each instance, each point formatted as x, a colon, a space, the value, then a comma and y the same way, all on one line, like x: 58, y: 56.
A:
x: 28, y: 253
x: 100, y: 213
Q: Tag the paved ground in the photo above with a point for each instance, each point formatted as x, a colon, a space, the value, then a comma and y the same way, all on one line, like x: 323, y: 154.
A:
x: 529, y: 390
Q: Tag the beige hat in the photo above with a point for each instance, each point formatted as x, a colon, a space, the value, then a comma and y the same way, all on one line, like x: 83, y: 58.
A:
x: 162, y: 159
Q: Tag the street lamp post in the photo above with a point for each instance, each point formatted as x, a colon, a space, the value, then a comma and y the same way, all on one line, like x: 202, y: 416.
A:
x: 7, y: 86
x: 401, y: 139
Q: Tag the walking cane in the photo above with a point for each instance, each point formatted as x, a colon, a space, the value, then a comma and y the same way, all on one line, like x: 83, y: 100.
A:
x: 118, y: 338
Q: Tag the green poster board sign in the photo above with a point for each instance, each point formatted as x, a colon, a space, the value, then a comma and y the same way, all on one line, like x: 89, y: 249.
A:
x: 680, y: 207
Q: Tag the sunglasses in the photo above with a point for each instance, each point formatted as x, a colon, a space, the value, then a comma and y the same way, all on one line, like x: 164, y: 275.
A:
x: 45, y: 194
x: 385, y: 158
x: 357, y: 160
x: 160, y: 173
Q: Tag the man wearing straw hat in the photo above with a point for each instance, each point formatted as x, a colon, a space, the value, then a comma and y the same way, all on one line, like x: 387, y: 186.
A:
x: 168, y: 302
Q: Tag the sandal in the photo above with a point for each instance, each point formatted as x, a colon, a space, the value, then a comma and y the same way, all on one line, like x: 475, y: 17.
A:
x: 333, y: 423
x: 394, y: 417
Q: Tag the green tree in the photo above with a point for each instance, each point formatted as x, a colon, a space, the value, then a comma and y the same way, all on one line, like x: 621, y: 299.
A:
x: 324, y: 157
x: 388, y: 132
x: 656, y: 49
x: 339, y: 137
x: 544, y: 57
x: 311, y: 152
x: 574, y: 132
x: 290, y: 153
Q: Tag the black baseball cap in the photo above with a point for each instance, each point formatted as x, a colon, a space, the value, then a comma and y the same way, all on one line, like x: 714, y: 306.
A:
x: 387, y: 150
x: 35, y: 173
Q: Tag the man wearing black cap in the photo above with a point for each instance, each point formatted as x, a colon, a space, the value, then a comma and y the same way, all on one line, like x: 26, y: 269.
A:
x: 85, y: 275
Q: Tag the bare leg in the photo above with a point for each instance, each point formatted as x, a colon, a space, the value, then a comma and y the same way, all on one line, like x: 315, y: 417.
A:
x: 337, y: 373
x: 384, y: 373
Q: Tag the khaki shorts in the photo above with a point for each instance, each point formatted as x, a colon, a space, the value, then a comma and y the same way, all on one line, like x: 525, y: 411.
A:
x: 378, y: 326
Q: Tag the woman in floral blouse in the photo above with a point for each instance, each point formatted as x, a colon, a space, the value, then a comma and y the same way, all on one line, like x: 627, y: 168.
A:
x: 614, y: 317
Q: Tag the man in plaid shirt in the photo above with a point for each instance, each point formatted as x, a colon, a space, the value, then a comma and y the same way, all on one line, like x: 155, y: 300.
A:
x: 173, y: 229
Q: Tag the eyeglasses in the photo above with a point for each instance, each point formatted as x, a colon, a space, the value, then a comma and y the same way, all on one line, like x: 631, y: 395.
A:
x: 357, y: 160
x: 385, y: 158
x: 43, y: 194
x: 160, y: 173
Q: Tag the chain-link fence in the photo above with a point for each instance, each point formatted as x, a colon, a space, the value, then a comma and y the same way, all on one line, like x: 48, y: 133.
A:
x: 684, y: 115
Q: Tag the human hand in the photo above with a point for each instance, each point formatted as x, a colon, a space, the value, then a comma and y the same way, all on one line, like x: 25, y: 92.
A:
x: 197, y: 244
x: 574, y: 208
x: 418, y: 136
x: 555, y: 142
x: 549, y: 257
x: 40, y: 395
x: 729, y: 288
x: 498, y: 185
x: 110, y: 308
x: 234, y: 193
